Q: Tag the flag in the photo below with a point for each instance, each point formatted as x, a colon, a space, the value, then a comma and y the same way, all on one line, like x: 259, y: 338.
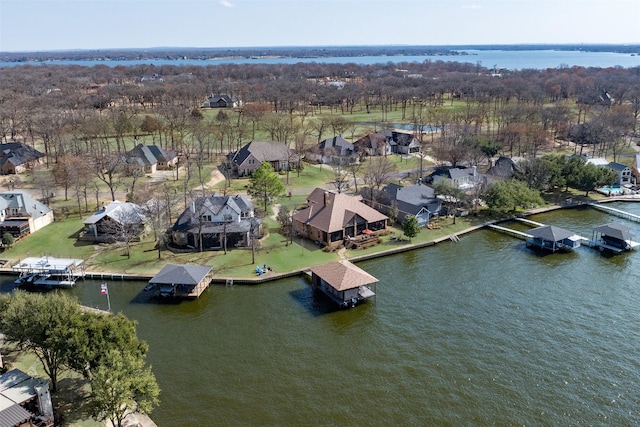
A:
x: 103, y: 289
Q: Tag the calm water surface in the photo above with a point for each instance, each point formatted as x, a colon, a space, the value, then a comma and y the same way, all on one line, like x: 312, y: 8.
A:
x: 481, y: 332
x: 507, y: 59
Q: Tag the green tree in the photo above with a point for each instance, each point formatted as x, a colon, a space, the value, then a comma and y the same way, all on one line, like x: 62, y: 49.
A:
x: 99, y: 335
x: 121, y: 384
x: 265, y: 185
x: 506, y: 196
x: 589, y: 177
x: 452, y: 196
x: 7, y: 239
x: 42, y: 324
x: 410, y: 227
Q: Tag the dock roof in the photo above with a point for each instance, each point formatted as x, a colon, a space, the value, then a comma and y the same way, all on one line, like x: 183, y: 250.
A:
x: 551, y: 233
x: 615, y: 230
x: 342, y: 275
x: 181, y: 274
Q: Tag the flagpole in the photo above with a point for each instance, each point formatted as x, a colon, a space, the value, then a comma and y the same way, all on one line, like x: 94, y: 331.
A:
x: 104, y: 290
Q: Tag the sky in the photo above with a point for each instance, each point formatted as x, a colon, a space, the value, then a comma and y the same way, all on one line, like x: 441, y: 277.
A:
x: 42, y: 25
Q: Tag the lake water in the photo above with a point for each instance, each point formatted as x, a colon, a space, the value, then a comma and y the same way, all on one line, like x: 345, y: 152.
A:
x: 480, y: 332
x: 512, y: 60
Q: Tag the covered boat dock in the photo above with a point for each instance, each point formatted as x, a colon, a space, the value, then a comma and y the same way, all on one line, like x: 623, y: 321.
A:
x: 552, y: 238
x: 49, y: 271
x: 614, y: 237
x: 181, y: 281
x: 343, y: 282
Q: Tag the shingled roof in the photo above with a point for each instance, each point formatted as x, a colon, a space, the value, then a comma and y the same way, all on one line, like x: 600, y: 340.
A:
x: 181, y: 274
x: 148, y: 155
x: 18, y: 153
x: 329, y: 211
x: 264, y: 151
x: 342, y: 275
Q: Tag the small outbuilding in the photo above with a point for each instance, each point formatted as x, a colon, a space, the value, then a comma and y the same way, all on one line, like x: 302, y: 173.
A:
x: 552, y: 238
x: 181, y: 281
x: 343, y: 282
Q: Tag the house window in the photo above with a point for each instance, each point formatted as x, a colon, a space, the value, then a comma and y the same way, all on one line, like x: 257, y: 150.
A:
x: 205, y: 218
x: 227, y: 218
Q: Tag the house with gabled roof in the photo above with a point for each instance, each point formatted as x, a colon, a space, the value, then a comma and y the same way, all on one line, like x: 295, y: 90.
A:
x: 16, y: 157
x: 220, y: 101
x: 151, y: 158
x: 624, y: 172
x: 21, y: 214
x: 249, y: 158
x: 331, y: 150
x: 330, y: 217
x: 401, y: 142
x: 181, y: 280
x: 216, y: 222
x: 387, y: 141
x: 462, y: 178
x: 373, y: 144
x: 419, y: 200
x: 110, y: 222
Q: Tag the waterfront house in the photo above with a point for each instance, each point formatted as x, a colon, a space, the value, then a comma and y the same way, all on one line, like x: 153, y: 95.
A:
x: 249, y: 158
x: 181, y: 281
x: 552, y: 238
x: 113, y: 222
x: 418, y: 200
x: 151, y: 158
x: 24, y: 400
x: 216, y: 222
x: 330, y: 217
x: 16, y: 157
x: 21, y: 214
x: 343, y: 282
x: 624, y: 172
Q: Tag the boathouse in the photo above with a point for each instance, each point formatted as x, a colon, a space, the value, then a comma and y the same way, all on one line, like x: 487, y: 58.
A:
x: 181, y: 281
x: 614, y: 237
x: 552, y: 238
x: 343, y: 282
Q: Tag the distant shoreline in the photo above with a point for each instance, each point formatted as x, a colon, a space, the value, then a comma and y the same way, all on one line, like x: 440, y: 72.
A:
x: 293, y: 52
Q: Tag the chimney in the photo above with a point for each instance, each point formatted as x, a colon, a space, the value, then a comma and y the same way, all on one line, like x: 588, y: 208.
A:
x: 326, y: 198
x: 474, y: 171
x: 193, y: 207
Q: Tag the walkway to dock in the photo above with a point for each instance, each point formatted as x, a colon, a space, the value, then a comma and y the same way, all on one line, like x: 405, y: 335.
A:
x: 530, y: 222
x: 510, y: 231
x: 616, y: 212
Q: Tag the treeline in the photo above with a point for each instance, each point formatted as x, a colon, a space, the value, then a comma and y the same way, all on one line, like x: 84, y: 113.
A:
x: 216, y: 53
x: 85, y: 118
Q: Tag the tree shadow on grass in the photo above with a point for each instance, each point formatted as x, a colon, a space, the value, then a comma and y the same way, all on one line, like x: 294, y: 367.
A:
x: 71, y: 400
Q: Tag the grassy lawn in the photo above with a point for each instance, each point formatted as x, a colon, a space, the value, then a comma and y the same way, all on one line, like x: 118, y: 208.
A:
x: 69, y: 400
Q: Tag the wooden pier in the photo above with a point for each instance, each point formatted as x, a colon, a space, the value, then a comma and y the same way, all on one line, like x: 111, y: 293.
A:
x: 511, y: 232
